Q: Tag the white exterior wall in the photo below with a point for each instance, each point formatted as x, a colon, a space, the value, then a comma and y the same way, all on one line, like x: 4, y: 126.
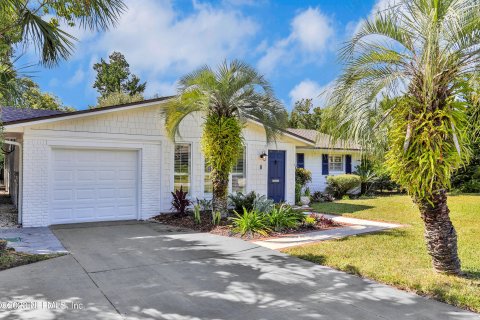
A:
x: 139, y: 129
x: 313, y: 162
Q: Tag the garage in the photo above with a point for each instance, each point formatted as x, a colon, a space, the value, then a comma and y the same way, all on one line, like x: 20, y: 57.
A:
x: 89, y: 185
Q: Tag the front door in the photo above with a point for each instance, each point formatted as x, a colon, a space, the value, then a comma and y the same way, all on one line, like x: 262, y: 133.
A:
x: 276, y: 175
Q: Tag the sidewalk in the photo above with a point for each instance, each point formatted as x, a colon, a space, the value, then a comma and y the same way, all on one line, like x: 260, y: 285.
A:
x: 356, y: 226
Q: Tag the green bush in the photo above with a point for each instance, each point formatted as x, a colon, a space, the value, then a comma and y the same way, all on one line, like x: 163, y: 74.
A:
x: 250, y: 222
x: 309, y: 221
x: 3, y: 245
x: 298, y: 192
x: 302, y: 176
x: 341, y: 184
x: 467, y: 179
x: 282, y: 217
x: 240, y: 200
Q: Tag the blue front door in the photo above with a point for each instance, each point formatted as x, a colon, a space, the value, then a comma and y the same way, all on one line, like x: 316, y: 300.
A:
x: 276, y: 175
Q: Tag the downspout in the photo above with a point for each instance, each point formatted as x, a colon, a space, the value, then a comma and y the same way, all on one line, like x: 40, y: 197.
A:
x: 20, y: 178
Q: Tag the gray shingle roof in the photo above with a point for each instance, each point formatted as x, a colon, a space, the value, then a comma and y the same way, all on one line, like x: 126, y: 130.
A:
x: 9, y: 114
x: 324, y: 141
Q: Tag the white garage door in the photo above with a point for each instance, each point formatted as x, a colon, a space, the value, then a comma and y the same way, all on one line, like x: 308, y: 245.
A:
x: 93, y: 185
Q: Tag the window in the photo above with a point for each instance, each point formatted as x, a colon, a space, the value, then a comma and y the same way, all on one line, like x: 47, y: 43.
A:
x: 300, y: 160
x: 238, y: 174
x: 208, y: 185
x: 335, y: 163
x: 181, y: 175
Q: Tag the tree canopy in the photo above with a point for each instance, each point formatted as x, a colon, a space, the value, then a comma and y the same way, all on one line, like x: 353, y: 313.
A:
x: 305, y: 116
x: 31, y: 96
x: 114, y: 76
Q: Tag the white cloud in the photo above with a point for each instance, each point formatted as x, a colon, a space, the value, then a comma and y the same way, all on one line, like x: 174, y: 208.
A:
x: 157, y: 39
x: 353, y: 27
x: 309, y: 89
x: 161, y: 88
x: 77, y: 78
x: 313, y: 29
x: 310, y: 36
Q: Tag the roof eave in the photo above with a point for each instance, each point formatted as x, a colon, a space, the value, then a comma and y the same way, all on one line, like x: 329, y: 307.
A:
x: 83, y: 113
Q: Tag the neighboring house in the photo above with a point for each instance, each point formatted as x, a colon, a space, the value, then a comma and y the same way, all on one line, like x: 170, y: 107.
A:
x: 117, y: 163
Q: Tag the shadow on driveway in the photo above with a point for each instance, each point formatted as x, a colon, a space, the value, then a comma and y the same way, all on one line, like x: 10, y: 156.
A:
x: 152, y: 271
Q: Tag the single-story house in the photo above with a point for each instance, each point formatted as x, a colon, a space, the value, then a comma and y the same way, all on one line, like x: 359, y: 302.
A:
x: 117, y: 163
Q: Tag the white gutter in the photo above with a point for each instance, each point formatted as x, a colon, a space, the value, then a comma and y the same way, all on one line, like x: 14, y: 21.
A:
x: 20, y: 178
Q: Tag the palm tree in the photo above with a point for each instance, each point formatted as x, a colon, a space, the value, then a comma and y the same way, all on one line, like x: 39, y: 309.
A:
x: 26, y: 22
x: 226, y: 97
x: 420, y: 53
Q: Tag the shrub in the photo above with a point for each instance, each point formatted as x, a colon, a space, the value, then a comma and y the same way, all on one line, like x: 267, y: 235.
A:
x: 262, y: 204
x: 216, y: 218
x: 302, y: 176
x: 180, y: 201
x: 196, y: 214
x: 298, y: 192
x: 318, y: 196
x: 341, y: 184
x: 3, y: 246
x: 282, y: 217
x: 240, y: 200
x: 309, y: 221
x: 205, y: 204
x: 250, y: 222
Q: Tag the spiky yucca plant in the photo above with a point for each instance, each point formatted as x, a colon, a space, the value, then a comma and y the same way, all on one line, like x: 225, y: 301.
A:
x: 417, y: 54
x: 226, y: 97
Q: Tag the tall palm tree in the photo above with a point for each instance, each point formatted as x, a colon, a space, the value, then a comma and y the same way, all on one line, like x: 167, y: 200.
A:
x: 421, y: 52
x: 226, y: 97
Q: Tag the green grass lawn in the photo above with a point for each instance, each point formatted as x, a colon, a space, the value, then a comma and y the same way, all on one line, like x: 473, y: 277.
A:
x: 398, y: 257
x: 11, y: 259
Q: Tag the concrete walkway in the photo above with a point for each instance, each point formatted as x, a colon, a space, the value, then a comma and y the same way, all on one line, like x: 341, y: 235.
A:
x: 357, y: 226
x: 32, y: 240
x: 152, y: 271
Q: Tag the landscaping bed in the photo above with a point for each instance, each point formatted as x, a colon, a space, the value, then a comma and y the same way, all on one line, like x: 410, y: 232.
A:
x: 226, y: 228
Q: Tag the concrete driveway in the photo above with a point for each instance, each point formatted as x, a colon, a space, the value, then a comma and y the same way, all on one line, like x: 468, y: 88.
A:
x: 150, y: 271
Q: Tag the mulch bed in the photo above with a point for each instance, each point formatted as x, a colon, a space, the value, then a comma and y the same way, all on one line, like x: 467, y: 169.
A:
x: 225, y: 229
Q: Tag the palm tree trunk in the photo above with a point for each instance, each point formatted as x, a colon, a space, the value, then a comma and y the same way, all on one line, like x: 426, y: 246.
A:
x: 220, y: 192
x: 440, y: 234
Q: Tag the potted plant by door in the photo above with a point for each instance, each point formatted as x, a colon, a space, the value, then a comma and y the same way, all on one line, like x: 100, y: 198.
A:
x: 305, y: 199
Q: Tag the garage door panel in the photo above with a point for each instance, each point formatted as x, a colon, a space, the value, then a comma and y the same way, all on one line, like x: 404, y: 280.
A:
x: 93, y: 185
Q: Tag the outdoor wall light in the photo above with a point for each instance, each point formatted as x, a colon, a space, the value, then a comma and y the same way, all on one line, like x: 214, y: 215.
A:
x: 264, y: 156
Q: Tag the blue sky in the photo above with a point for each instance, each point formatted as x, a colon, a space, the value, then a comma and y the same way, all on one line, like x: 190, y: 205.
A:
x: 294, y: 43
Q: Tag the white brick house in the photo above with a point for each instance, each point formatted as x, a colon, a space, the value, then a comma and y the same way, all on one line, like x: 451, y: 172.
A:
x: 117, y: 163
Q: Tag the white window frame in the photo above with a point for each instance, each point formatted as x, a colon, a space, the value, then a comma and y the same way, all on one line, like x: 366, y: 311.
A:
x: 333, y: 165
x: 244, y: 173
x: 189, y: 174
x: 205, y: 176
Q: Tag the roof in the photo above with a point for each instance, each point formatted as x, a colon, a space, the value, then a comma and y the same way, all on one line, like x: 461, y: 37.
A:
x: 324, y: 141
x: 15, y: 114
x: 12, y: 114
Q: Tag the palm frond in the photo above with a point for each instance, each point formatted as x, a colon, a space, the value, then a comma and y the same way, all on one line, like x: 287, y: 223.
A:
x: 233, y: 89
